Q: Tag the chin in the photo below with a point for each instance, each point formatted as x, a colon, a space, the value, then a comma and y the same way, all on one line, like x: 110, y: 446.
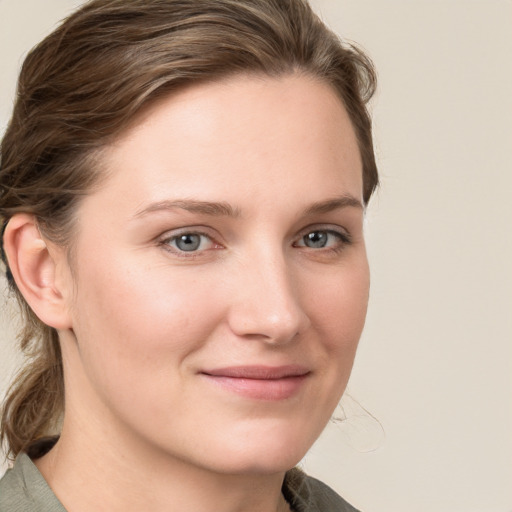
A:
x: 262, y: 454
x: 257, y: 464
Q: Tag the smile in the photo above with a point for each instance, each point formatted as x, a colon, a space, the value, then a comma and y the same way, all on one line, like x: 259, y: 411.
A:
x: 260, y: 382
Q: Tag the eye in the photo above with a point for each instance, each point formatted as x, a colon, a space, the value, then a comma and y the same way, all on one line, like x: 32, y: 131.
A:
x: 189, y: 242
x: 323, y: 238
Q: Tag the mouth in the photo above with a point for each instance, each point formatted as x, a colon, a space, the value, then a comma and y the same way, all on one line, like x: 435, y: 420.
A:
x: 268, y: 383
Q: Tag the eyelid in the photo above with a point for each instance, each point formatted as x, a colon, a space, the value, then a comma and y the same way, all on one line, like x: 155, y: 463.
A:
x: 345, y: 238
x: 165, y: 239
x: 329, y: 228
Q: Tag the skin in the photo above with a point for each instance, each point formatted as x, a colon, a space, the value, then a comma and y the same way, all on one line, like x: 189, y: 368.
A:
x: 141, y: 320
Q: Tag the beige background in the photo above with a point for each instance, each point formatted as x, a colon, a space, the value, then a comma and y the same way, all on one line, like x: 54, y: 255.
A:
x: 435, y: 362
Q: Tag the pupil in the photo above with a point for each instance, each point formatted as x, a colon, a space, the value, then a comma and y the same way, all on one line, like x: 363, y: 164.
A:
x: 188, y: 242
x: 316, y: 239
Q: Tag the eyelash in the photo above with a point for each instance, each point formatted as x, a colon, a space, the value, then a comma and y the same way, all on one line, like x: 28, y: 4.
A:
x: 344, y: 239
x: 165, y: 243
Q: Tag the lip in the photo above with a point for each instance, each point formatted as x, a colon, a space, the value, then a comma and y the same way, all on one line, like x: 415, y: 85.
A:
x: 269, y: 383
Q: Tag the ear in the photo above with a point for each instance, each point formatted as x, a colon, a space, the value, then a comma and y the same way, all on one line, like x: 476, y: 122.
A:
x: 37, y: 267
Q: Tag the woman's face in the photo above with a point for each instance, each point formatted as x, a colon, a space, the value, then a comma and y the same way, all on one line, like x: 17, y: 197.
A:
x: 221, y: 280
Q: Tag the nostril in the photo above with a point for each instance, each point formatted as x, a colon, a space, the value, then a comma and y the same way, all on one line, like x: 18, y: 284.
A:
x: 255, y: 321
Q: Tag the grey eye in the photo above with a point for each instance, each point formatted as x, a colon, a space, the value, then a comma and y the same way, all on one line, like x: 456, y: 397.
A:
x: 188, y: 242
x: 316, y: 239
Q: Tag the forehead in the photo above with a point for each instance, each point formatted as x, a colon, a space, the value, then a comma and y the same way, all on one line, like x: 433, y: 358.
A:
x: 249, y: 132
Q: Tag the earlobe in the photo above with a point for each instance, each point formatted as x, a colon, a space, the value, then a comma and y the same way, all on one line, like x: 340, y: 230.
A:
x: 33, y: 265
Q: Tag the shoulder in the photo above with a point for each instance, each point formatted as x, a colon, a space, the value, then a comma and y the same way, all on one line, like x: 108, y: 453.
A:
x: 23, y: 489
x: 307, y: 494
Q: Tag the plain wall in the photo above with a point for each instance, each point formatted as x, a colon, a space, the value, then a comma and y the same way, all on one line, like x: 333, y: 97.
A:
x: 435, y: 361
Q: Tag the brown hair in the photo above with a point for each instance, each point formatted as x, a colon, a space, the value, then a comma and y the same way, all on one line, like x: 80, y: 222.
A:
x: 84, y: 83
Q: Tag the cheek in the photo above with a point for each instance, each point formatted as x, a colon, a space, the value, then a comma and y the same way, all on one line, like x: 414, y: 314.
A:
x: 135, y: 328
x: 338, y: 314
x: 135, y: 322
x: 341, y: 309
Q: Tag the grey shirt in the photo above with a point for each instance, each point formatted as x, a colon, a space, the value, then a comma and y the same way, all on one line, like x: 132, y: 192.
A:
x: 23, y: 489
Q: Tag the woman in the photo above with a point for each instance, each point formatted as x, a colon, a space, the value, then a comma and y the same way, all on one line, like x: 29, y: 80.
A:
x: 183, y: 186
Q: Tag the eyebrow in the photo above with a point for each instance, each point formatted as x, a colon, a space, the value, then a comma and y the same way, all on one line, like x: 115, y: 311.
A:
x: 191, y: 205
x: 344, y: 201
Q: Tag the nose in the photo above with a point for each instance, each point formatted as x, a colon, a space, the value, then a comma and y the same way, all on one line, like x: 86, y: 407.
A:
x: 266, y: 303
